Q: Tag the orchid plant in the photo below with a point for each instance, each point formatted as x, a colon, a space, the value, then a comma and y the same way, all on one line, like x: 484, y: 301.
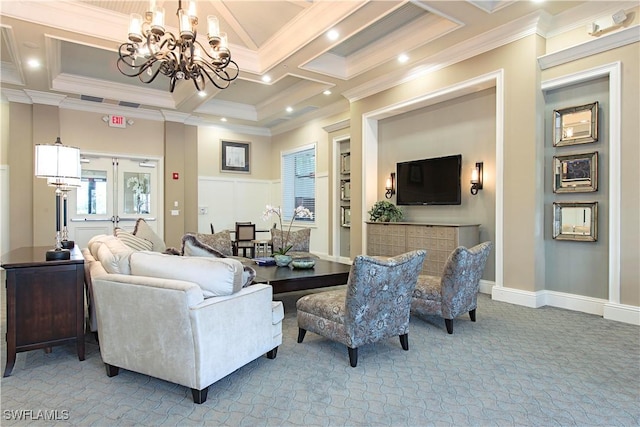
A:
x: 299, y: 212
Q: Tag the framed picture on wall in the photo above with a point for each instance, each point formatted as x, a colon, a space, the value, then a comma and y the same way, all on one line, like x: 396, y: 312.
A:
x: 235, y: 156
x: 575, y: 125
x: 575, y: 173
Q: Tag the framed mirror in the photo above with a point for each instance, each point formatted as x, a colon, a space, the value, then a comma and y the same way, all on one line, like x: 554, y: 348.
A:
x: 345, y: 163
x: 346, y: 216
x: 345, y: 190
x: 575, y: 125
x: 575, y: 221
x: 575, y: 173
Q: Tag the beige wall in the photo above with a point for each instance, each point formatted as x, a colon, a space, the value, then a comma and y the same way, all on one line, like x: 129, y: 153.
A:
x: 210, y: 150
x: 523, y: 261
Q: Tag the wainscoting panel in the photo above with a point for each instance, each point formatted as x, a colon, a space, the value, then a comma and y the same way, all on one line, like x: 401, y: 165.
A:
x: 223, y: 201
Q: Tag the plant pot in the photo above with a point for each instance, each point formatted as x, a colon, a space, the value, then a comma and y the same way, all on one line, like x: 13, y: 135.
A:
x: 282, y: 260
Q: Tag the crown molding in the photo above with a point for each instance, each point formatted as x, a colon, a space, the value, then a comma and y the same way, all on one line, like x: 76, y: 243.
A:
x: 234, y: 110
x: 9, y: 72
x: 342, y: 124
x: 500, y: 36
x: 249, y: 130
x: 330, y: 110
x: 592, y: 47
x: 100, y: 108
x: 122, y: 92
x: 16, y: 95
x: 175, y: 116
x: 45, y: 98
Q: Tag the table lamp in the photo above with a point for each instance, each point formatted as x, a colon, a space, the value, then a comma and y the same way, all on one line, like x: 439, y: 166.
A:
x: 59, y: 164
x: 65, y: 185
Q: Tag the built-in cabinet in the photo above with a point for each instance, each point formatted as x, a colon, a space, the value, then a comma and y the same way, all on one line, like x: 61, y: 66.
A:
x: 439, y: 240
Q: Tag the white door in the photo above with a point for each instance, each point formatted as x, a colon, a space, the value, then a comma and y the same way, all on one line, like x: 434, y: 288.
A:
x: 114, y: 192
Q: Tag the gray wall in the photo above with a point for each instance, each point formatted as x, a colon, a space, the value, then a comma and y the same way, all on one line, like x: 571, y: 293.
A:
x: 580, y: 268
x: 465, y: 125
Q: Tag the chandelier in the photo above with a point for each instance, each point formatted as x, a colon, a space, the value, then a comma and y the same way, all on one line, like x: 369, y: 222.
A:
x: 151, y: 50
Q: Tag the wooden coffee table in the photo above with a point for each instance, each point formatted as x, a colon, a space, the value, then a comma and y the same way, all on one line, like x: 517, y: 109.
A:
x: 285, y: 279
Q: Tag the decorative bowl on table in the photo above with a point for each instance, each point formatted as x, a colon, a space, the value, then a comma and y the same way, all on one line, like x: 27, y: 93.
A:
x: 303, y: 263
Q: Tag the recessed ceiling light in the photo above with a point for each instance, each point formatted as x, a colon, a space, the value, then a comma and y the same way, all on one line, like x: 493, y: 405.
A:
x: 289, y: 109
x: 266, y: 79
x: 202, y: 94
x: 224, y: 119
x: 403, y: 58
x: 33, y: 63
x: 333, y: 35
x: 326, y: 92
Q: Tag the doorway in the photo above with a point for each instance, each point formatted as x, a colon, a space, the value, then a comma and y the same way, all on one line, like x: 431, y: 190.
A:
x: 114, y: 192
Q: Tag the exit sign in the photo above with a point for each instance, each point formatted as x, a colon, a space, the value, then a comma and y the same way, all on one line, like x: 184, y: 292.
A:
x: 117, y: 121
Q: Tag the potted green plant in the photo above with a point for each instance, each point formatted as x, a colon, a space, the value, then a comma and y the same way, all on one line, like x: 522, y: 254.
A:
x: 384, y: 211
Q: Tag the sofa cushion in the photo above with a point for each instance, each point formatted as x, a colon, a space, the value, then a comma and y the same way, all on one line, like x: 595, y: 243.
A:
x: 215, y: 276
x: 134, y: 242
x: 143, y: 230
x: 114, y: 256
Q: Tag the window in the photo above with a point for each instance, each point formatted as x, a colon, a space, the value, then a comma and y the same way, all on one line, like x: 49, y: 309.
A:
x: 299, y: 181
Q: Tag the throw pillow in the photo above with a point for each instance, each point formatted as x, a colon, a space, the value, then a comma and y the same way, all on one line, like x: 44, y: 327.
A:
x: 298, y: 239
x: 220, y: 241
x: 134, y: 242
x: 144, y: 231
x: 192, y: 246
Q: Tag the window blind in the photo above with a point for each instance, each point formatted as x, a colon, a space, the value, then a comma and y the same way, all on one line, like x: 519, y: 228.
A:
x: 299, y: 182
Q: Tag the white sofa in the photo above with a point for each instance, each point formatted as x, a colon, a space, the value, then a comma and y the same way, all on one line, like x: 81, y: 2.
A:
x: 186, y: 320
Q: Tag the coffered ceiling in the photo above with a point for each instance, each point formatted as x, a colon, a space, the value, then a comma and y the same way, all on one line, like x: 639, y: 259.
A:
x: 287, y: 41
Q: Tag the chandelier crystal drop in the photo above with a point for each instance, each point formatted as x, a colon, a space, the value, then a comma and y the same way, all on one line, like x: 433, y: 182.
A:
x: 151, y: 50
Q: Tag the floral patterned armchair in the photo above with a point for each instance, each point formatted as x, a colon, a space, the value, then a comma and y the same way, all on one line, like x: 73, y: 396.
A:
x: 456, y: 291
x: 374, y: 306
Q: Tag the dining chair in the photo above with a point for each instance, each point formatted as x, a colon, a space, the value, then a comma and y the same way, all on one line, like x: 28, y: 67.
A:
x: 245, y: 237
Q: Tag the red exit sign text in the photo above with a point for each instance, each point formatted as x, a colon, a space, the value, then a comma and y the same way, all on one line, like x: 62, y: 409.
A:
x: 117, y: 121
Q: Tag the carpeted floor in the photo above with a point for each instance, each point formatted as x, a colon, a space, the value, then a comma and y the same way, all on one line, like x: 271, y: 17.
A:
x: 515, y: 366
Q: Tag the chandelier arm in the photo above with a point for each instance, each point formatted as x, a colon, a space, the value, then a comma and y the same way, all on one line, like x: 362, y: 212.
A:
x: 227, y: 73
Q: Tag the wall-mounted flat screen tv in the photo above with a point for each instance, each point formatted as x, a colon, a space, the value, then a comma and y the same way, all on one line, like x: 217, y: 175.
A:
x: 434, y: 181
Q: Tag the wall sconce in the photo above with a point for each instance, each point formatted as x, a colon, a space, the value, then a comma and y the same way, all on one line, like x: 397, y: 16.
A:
x: 476, y: 178
x: 390, y: 186
x: 59, y: 164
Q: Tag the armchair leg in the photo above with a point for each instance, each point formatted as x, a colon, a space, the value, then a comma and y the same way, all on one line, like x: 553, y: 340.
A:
x: 112, y: 371
x: 449, y: 324
x: 404, y: 341
x: 199, y: 396
x: 301, y: 333
x: 353, y: 356
x: 472, y: 315
x: 271, y: 354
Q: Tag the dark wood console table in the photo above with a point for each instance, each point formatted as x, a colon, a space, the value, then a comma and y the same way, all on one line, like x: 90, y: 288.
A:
x: 45, y: 301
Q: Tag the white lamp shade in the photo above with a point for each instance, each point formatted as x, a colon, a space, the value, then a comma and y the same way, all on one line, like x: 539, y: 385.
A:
x: 57, y: 161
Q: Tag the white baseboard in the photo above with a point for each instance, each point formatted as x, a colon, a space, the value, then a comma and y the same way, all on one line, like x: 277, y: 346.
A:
x: 622, y: 313
x: 597, y: 306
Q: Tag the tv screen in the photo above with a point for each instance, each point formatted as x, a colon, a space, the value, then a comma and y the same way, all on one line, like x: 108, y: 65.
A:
x: 434, y: 181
